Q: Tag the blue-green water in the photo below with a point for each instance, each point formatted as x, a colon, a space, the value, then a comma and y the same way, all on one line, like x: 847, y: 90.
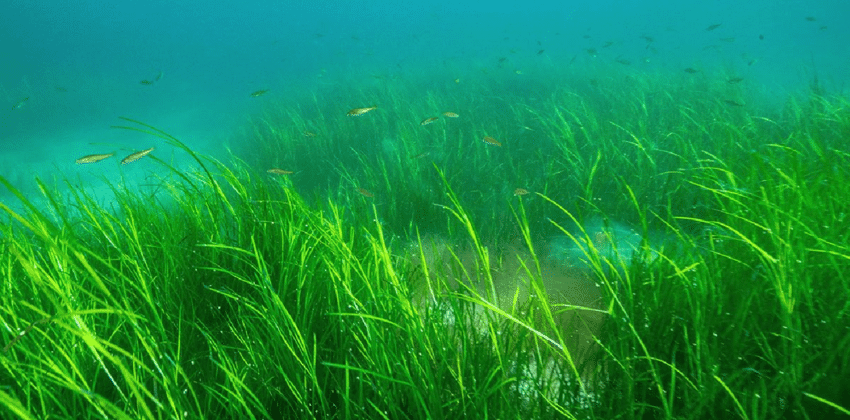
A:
x: 636, y: 84
x: 81, y: 64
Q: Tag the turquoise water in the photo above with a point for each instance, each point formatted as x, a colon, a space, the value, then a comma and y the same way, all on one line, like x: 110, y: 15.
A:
x: 272, y: 83
x: 82, y: 65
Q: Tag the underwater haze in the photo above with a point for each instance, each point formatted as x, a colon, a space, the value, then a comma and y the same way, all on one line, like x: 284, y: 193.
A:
x: 81, y: 63
x: 408, y: 210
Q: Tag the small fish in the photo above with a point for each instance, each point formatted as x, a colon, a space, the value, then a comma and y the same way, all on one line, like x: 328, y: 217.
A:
x: 647, y: 38
x: 427, y: 121
x: 94, y: 158
x: 491, y: 141
x: 259, y: 93
x: 136, y: 156
x: 540, y: 52
x: 732, y: 102
x: 713, y: 27
x: 591, y: 51
x: 457, y: 81
x: 21, y: 103
x: 365, y: 193
x: 277, y: 171
x: 607, y: 44
x: 520, y: 191
x: 308, y: 133
x: 623, y: 61
x: 449, y: 114
x: 147, y: 82
x: 356, y: 112
x: 811, y: 18
x: 733, y: 80
x: 691, y: 70
x: 421, y: 155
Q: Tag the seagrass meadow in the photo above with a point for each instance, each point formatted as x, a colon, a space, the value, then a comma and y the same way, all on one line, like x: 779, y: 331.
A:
x: 632, y: 246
